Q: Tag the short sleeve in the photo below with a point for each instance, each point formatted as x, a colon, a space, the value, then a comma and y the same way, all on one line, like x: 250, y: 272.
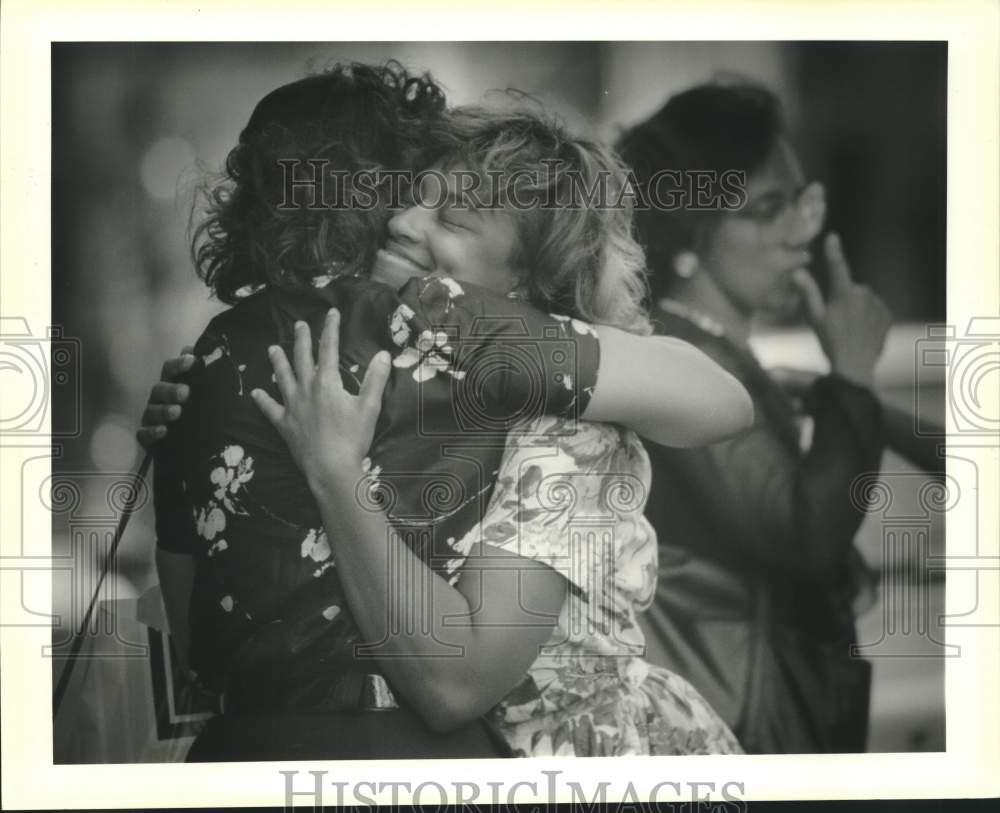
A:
x: 187, y: 440
x: 520, y: 362
x: 551, y: 502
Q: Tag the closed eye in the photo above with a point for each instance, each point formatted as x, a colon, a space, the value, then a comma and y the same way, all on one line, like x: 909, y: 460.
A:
x: 453, y: 221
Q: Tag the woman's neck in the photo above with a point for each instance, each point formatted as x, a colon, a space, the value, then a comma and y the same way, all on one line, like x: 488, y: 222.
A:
x: 701, y: 295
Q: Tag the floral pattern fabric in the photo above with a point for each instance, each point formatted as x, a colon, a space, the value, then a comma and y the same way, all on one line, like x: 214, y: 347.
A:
x: 268, y: 613
x: 571, y: 495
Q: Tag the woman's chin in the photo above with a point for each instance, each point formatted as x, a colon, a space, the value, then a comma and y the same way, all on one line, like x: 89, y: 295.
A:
x: 784, y: 305
x: 393, y: 271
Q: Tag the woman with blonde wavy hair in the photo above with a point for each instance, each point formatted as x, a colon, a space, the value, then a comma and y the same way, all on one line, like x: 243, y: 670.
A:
x: 333, y: 575
x: 567, y: 511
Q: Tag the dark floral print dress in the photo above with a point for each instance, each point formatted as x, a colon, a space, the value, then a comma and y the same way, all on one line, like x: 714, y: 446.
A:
x: 270, y: 627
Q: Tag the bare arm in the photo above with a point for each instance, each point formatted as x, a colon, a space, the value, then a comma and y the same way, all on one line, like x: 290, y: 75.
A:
x: 666, y: 390
x: 663, y: 388
x: 452, y: 651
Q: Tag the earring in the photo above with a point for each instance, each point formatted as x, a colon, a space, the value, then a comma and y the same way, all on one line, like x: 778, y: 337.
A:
x: 519, y: 290
x: 812, y: 210
x: 686, y: 264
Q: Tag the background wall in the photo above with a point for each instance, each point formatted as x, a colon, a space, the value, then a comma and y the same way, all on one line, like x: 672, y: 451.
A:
x: 136, y: 126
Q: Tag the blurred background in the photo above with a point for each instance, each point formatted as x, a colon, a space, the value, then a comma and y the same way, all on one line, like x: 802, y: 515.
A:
x: 136, y: 126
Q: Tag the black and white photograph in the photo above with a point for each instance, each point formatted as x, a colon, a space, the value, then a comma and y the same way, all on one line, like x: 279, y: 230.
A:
x: 693, y: 578
x: 501, y: 399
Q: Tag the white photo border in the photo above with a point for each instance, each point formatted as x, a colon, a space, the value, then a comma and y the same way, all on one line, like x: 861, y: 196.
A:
x: 971, y: 765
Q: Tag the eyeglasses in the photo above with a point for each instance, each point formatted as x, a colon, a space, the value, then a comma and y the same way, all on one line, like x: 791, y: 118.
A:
x: 773, y: 213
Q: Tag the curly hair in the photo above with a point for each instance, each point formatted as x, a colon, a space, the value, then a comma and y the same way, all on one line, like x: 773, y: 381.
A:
x: 348, y: 118
x: 727, y: 124
x: 576, y: 233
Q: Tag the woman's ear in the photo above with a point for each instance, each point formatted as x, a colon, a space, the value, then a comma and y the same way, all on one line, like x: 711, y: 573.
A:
x: 686, y: 264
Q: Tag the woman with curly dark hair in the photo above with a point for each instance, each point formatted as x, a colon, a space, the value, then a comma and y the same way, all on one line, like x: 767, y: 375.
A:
x: 269, y: 217
x: 300, y: 640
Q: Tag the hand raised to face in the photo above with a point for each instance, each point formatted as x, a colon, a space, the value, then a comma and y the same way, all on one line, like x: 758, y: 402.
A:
x: 851, y: 323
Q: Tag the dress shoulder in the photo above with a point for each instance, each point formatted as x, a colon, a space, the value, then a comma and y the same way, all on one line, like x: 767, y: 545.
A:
x: 569, y: 494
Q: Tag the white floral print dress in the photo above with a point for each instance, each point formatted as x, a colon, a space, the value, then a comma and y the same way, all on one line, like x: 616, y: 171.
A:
x: 571, y: 495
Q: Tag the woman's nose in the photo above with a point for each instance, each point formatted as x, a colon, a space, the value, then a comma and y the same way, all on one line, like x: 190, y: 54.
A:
x: 407, y: 224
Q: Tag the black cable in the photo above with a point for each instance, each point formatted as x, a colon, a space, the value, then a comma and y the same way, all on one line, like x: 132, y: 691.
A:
x: 60, y: 692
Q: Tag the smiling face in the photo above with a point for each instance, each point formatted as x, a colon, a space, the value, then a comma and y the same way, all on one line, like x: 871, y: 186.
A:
x: 438, y: 236
x: 751, y: 254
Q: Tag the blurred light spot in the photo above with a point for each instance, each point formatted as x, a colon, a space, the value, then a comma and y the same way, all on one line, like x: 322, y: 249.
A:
x: 69, y: 603
x: 113, y: 446
x: 162, y: 166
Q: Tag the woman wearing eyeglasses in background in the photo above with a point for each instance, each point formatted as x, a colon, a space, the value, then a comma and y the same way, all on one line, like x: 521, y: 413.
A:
x: 758, y: 570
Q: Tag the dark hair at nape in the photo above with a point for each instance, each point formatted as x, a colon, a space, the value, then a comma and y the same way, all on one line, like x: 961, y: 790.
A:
x: 730, y: 123
x: 352, y: 116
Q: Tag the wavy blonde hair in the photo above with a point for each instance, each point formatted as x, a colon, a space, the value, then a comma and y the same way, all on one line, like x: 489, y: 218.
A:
x: 581, y: 255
